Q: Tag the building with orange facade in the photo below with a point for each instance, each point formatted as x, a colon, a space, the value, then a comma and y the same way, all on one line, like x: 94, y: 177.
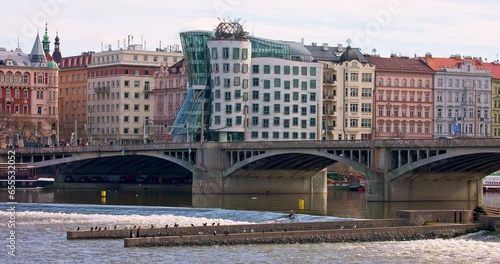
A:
x: 169, y: 94
x: 73, y: 98
x: 403, y: 98
x: 495, y: 97
x: 462, y: 96
x: 28, y: 96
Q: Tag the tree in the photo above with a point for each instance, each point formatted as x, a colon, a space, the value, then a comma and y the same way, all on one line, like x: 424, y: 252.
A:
x: 24, y: 126
x: 5, y: 125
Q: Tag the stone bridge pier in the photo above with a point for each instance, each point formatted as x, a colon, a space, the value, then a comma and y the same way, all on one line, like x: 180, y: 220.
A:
x: 382, y: 184
x: 209, y: 177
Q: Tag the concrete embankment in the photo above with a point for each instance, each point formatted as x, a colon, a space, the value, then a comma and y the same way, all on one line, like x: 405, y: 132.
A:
x: 311, y: 236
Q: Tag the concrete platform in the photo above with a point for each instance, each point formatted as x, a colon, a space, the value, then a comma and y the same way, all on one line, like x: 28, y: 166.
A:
x: 251, y: 228
x: 310, y: 236
x: 411, y: 226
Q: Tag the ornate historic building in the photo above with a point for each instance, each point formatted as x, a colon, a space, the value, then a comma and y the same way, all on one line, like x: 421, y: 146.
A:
x: 28, y: 96
x: 348, y: 85
x: 403, y: 98
x: 495, y: 97
x: 73, y: 75
x: 169, y: 94
x: 462, y: 96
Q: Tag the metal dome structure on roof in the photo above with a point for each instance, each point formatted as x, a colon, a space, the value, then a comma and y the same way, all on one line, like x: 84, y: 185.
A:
x: 230, y: 30
x: 349, y: 55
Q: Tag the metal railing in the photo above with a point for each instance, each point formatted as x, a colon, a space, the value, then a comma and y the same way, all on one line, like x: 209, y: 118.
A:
x: 262, y: 145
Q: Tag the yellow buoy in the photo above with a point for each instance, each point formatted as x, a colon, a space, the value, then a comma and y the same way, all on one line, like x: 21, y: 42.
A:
x: 301, y: 204
x: 103, y: 193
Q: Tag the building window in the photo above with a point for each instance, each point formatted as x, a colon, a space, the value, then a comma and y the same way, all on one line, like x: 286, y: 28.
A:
x: 136, y: 107
x: 214, y: 53
x: 277, y: 69
x: 255, y: 82
x: 255, y: 69
x: 225, y: 53
x: 267, y: 69
x: 244, y: 54
x: 286, y: 70
x: 277, y: 82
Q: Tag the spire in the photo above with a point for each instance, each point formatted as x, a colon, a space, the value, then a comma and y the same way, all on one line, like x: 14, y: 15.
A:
x: 37, y: 55
x: 56, y: 55
x: 46, y: 41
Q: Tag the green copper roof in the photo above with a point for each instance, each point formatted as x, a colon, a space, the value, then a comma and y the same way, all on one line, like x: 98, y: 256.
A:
x: 52, y: 65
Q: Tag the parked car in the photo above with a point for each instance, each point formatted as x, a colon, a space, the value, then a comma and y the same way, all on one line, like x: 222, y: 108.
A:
x: 84, y: 179
x: 126, y: 179
x: 97, y: 179
x: 69, y: 179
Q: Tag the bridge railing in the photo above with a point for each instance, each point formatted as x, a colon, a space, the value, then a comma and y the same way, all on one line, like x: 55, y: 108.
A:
x: 431, y: 143
x: 77, y: 149
x: 296, y: 144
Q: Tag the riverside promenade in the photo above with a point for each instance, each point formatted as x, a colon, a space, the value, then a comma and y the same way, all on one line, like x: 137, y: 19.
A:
x: 410, y: 225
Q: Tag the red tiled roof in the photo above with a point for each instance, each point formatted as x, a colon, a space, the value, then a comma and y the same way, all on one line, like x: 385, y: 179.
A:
x: 399, y: 64
x: 437, y: 64
x: 494, y: 68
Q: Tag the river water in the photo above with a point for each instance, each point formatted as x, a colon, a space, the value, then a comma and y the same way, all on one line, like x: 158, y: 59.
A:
x: 43, y: 217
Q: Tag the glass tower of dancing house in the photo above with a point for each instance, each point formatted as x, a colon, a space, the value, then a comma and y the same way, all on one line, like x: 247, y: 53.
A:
x: 253, y: 89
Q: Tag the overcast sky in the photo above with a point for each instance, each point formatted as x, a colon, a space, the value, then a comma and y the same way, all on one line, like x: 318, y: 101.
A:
x: 442, y: 27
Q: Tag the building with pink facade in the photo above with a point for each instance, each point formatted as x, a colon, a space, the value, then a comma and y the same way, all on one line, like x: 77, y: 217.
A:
x: 403, y: 98
x: 28, y: 96
x: 169, y: 94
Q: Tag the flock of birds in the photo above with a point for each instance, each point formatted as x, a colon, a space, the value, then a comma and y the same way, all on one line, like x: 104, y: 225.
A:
x: 97, y: 228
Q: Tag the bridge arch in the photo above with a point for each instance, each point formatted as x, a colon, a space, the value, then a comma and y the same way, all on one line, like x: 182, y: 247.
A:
x: 478, y: 162
x: 317, y: 157
x: 79, y: 157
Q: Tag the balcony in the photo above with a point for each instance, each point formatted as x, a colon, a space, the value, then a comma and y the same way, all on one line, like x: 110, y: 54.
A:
x: 9, y: 100
x: 103, y: 89
x: 329, y: 81
x: 328, y: 97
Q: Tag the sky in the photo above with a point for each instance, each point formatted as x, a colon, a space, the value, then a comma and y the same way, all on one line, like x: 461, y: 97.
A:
x: 403, y: 27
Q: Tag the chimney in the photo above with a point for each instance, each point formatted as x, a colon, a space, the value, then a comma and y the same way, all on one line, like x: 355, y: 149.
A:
x: 325, y: 46
x: 302, y: 41
x: 339, y: 47
x: 428, y: 56
x: 458, y: 57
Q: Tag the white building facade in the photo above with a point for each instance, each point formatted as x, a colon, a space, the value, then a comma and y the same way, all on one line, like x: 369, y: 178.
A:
x: 264, y: 98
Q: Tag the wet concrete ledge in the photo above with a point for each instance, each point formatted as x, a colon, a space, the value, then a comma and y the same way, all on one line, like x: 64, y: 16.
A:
x: 310, y: 236
x: 249, y: 228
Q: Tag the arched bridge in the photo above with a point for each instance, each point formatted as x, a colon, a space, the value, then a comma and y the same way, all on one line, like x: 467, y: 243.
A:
x: 393, y: 168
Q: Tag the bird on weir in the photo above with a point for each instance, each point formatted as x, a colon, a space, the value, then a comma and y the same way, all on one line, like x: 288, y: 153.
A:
x: 78, y: 229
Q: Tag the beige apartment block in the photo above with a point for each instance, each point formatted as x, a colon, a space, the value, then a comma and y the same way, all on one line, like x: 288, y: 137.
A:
x: 120, y: 99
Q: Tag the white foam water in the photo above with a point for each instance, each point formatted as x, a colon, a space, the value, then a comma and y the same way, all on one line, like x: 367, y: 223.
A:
x: 41, y: 238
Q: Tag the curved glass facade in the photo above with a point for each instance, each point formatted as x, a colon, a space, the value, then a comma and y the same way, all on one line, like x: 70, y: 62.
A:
x: 196, y: 55
x: 269, y: 48
x: 187, y: 125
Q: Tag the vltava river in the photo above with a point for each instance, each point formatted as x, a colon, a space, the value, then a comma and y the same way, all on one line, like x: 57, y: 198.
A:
x: 43, y: 217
